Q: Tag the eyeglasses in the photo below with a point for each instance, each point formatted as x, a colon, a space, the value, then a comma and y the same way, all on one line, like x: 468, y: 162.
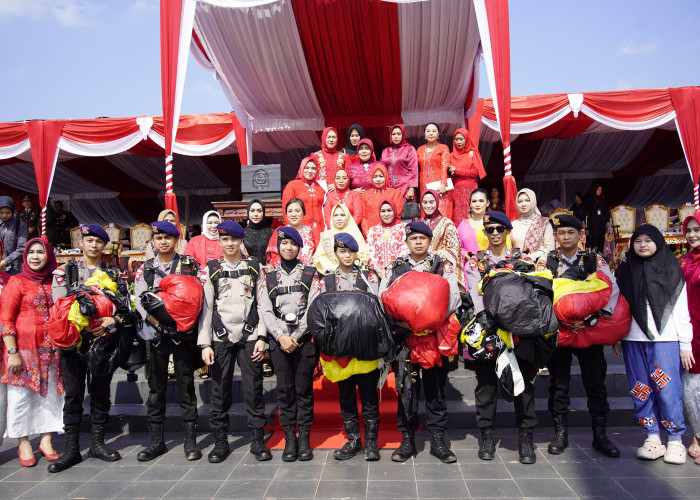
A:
x: 497, y: 229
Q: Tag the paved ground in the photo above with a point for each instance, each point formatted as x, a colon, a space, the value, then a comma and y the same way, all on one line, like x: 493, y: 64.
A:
x: 580, y: 472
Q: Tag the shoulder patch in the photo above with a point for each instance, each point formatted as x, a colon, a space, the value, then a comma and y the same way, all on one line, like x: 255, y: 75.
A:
x: 600, y: 261
x: 473, y: 264
x: 318, y: 284
x: 372, y: 277
x: 60, y: 279
x: 448, y: 267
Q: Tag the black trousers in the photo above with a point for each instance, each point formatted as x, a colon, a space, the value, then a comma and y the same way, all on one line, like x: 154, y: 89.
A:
x: 486, y: 394
x: 366, y: 384
x: 295, y: 382
x: 433, y: 381
x: 225, y: 357
x: 186, y: 360
x: 75, y: 379
x: 593, y: 370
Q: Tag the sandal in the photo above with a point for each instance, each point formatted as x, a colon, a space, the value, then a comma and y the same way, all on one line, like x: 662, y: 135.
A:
x: 267, y: 369
x: 694, y: 450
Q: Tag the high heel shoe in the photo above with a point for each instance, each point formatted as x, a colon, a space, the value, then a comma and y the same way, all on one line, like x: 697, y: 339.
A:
x: 49, y: 456
x: 26, y: 463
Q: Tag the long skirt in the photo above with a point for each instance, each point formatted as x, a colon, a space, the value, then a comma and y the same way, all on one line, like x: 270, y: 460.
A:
x: 691, y: 400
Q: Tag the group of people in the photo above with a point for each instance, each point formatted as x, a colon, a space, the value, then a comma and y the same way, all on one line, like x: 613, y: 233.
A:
x: 347, y: 229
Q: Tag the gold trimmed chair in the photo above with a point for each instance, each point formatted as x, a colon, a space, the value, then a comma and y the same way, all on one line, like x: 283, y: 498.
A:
x: 115, y: 245
x: 624, y: 219
x: 658, y: 216
x: 75, y: 237
x: 559, y: 211
x: 684, y: 211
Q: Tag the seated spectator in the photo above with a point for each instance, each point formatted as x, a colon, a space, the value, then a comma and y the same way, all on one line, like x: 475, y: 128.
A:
x: 13, y: 235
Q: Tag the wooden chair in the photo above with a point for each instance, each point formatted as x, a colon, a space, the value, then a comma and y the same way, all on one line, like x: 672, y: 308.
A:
x: 684, y: 211
x: 75, y: 236
x: 658, y: 216
x: 624, y: 219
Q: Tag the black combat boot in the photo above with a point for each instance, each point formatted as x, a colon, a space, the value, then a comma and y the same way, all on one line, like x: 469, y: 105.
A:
x: 526, y: 448
x: 257, y: 445
x: 487, y: 447
x: 290, y: 443
x: 406, y: 449
x: 305, y: 453
x: 371, y: 436
x: 354, y: 444
x: 221, y: 448
x: 601, y: 442
x: 98, y: 448
x: 439, y: 449
x: 560, y: 441
x: 192, y: 451
x: 71, y: 456
x: 156, y: 447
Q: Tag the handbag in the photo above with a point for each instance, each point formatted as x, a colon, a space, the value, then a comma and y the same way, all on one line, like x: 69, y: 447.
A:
x: 411, y: 210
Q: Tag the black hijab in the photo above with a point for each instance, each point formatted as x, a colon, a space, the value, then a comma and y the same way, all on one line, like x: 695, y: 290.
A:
x: 349, y: 148
x: 259, y: 225
x: 657, y: 280
x: 257, y: 235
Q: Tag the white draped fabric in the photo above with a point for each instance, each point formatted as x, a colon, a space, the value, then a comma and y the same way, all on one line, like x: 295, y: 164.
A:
x: 21, y: 176
x: 14, y: 150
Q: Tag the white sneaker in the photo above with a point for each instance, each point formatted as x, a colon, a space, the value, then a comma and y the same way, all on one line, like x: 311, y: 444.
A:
x: 675, y: 453
x: 651, y: 450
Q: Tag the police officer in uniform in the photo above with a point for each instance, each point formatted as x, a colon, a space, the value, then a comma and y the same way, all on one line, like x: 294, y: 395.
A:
x: 182, y: 345
x: 418, y: 238
x: 30, y: 216
x: 568, y: 231
x: 229, y: 331
x: 75, y: 368
x: 350, y: 276
x: 497, y: 227
x: 287, y: 291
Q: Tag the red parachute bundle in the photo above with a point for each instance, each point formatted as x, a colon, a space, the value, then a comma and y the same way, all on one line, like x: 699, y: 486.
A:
x: 607, y: 331
x: 419, y: 299
x: 182, y: 295
x: 447, y: 336
x: 62, y: 328
x: 581, y: 299
x: 424, y: 350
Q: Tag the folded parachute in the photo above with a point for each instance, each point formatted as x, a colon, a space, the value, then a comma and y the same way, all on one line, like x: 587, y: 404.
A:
x: 419, y: 299
x: 176, y: 302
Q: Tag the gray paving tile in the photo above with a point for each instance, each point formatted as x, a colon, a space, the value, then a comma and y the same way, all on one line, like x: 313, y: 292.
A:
x: 341, y: 489
x: 52, y: 490
x: 648, y: 487
x: 627, y: 468
x: 578, y: 469
x: 492, y: 470
x: 205, y: 471
x: 37, y: 473
x: 540, y: 469
x: 81, y: 474
x: 145, y: 489
x: 590, y: 488
x: 15, y: 489
x: 98, y: 490
x: 544, y: 488
x: 687, y: 486
x: 442, y: 489
x: 391, y: 471
x: 300, y: 489
x: 252, y: 488
x: 195, y: 489
x: 437, y: 471
x: 338, y: 471
x: 391, y: 489
x: 265, y: 470
x: 164, y: 473
x: 500, y: 488
x: 122, y: 473
x: 299, y: 472
x: 688, y: 469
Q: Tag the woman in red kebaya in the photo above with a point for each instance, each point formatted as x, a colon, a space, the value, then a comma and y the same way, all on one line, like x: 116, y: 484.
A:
x: 328, y: 159
x: 343, y: 195
x: 309, y: 191
x: 372, y: 198
x: 30, y: 366
x: 294, y: 212
x: 433, y: 161
x: 361, y: 171
x: 205, y: 247
x: 401, y: 163
x: 386, y: 241
x: 466, y: 167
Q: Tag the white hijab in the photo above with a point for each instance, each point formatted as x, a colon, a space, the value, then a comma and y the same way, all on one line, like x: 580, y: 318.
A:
x: 204, y: 225
x: 534, y: 212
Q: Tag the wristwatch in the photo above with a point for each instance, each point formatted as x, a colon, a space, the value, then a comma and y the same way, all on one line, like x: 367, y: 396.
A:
x: 12, y: 350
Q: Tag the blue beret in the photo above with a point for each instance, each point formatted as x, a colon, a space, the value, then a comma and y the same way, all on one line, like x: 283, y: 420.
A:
x: 345, y: 240
x: 566, y: 220
x: 231, y: 228
x: 94, y: 230
x: 289, y: 233
x: 418, y: 227
x: 164, y: 227
x: 497, y: 218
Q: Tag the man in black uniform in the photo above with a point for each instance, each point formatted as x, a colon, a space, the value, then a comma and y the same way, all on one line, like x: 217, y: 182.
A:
x: 568, y: 230
x: 63, y: 222
x: 74, y: 365
x: 30, y: 216
x: 181, y: 344
x: 230, y: 332
x: 418, y: 237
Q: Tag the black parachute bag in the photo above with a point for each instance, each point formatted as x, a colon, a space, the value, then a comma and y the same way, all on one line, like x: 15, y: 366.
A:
x: 520, y: 301
x: 350, y: 324
x: 104, y: 356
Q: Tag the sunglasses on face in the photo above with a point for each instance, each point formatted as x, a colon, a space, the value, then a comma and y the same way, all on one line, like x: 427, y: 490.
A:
x: 497, y: 229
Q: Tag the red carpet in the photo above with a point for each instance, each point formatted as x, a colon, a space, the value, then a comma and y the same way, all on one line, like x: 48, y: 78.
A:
x: 327, y: 431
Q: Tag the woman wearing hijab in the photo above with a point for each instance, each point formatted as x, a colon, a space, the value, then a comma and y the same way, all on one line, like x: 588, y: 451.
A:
x: 496, y: 203
x: 433, y: 162
x: 372, y: 198
x: 386, y: 241
x: 690, y: 265
x: 258, y: 231
x: 345, y: 196
x: 13, y: 235
x: 328, y: 159
x: 355, y: 133
x: 341, y: 222
x: 205, y: 247
x: 305, y: 188
x: 360, y: 172
x: 30, y: 367
x: 466, y: 167
x: 445, y: 240
x: 658, y: 345
x: 294, y: 212
x: 532, y: 233
x: 401, y: 163
x: 597, y: 218
x: 169, y: 216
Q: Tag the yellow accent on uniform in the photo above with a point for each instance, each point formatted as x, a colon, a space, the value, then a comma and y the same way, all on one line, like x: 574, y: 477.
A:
x: 565, y: 286
x: 335, y: 373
